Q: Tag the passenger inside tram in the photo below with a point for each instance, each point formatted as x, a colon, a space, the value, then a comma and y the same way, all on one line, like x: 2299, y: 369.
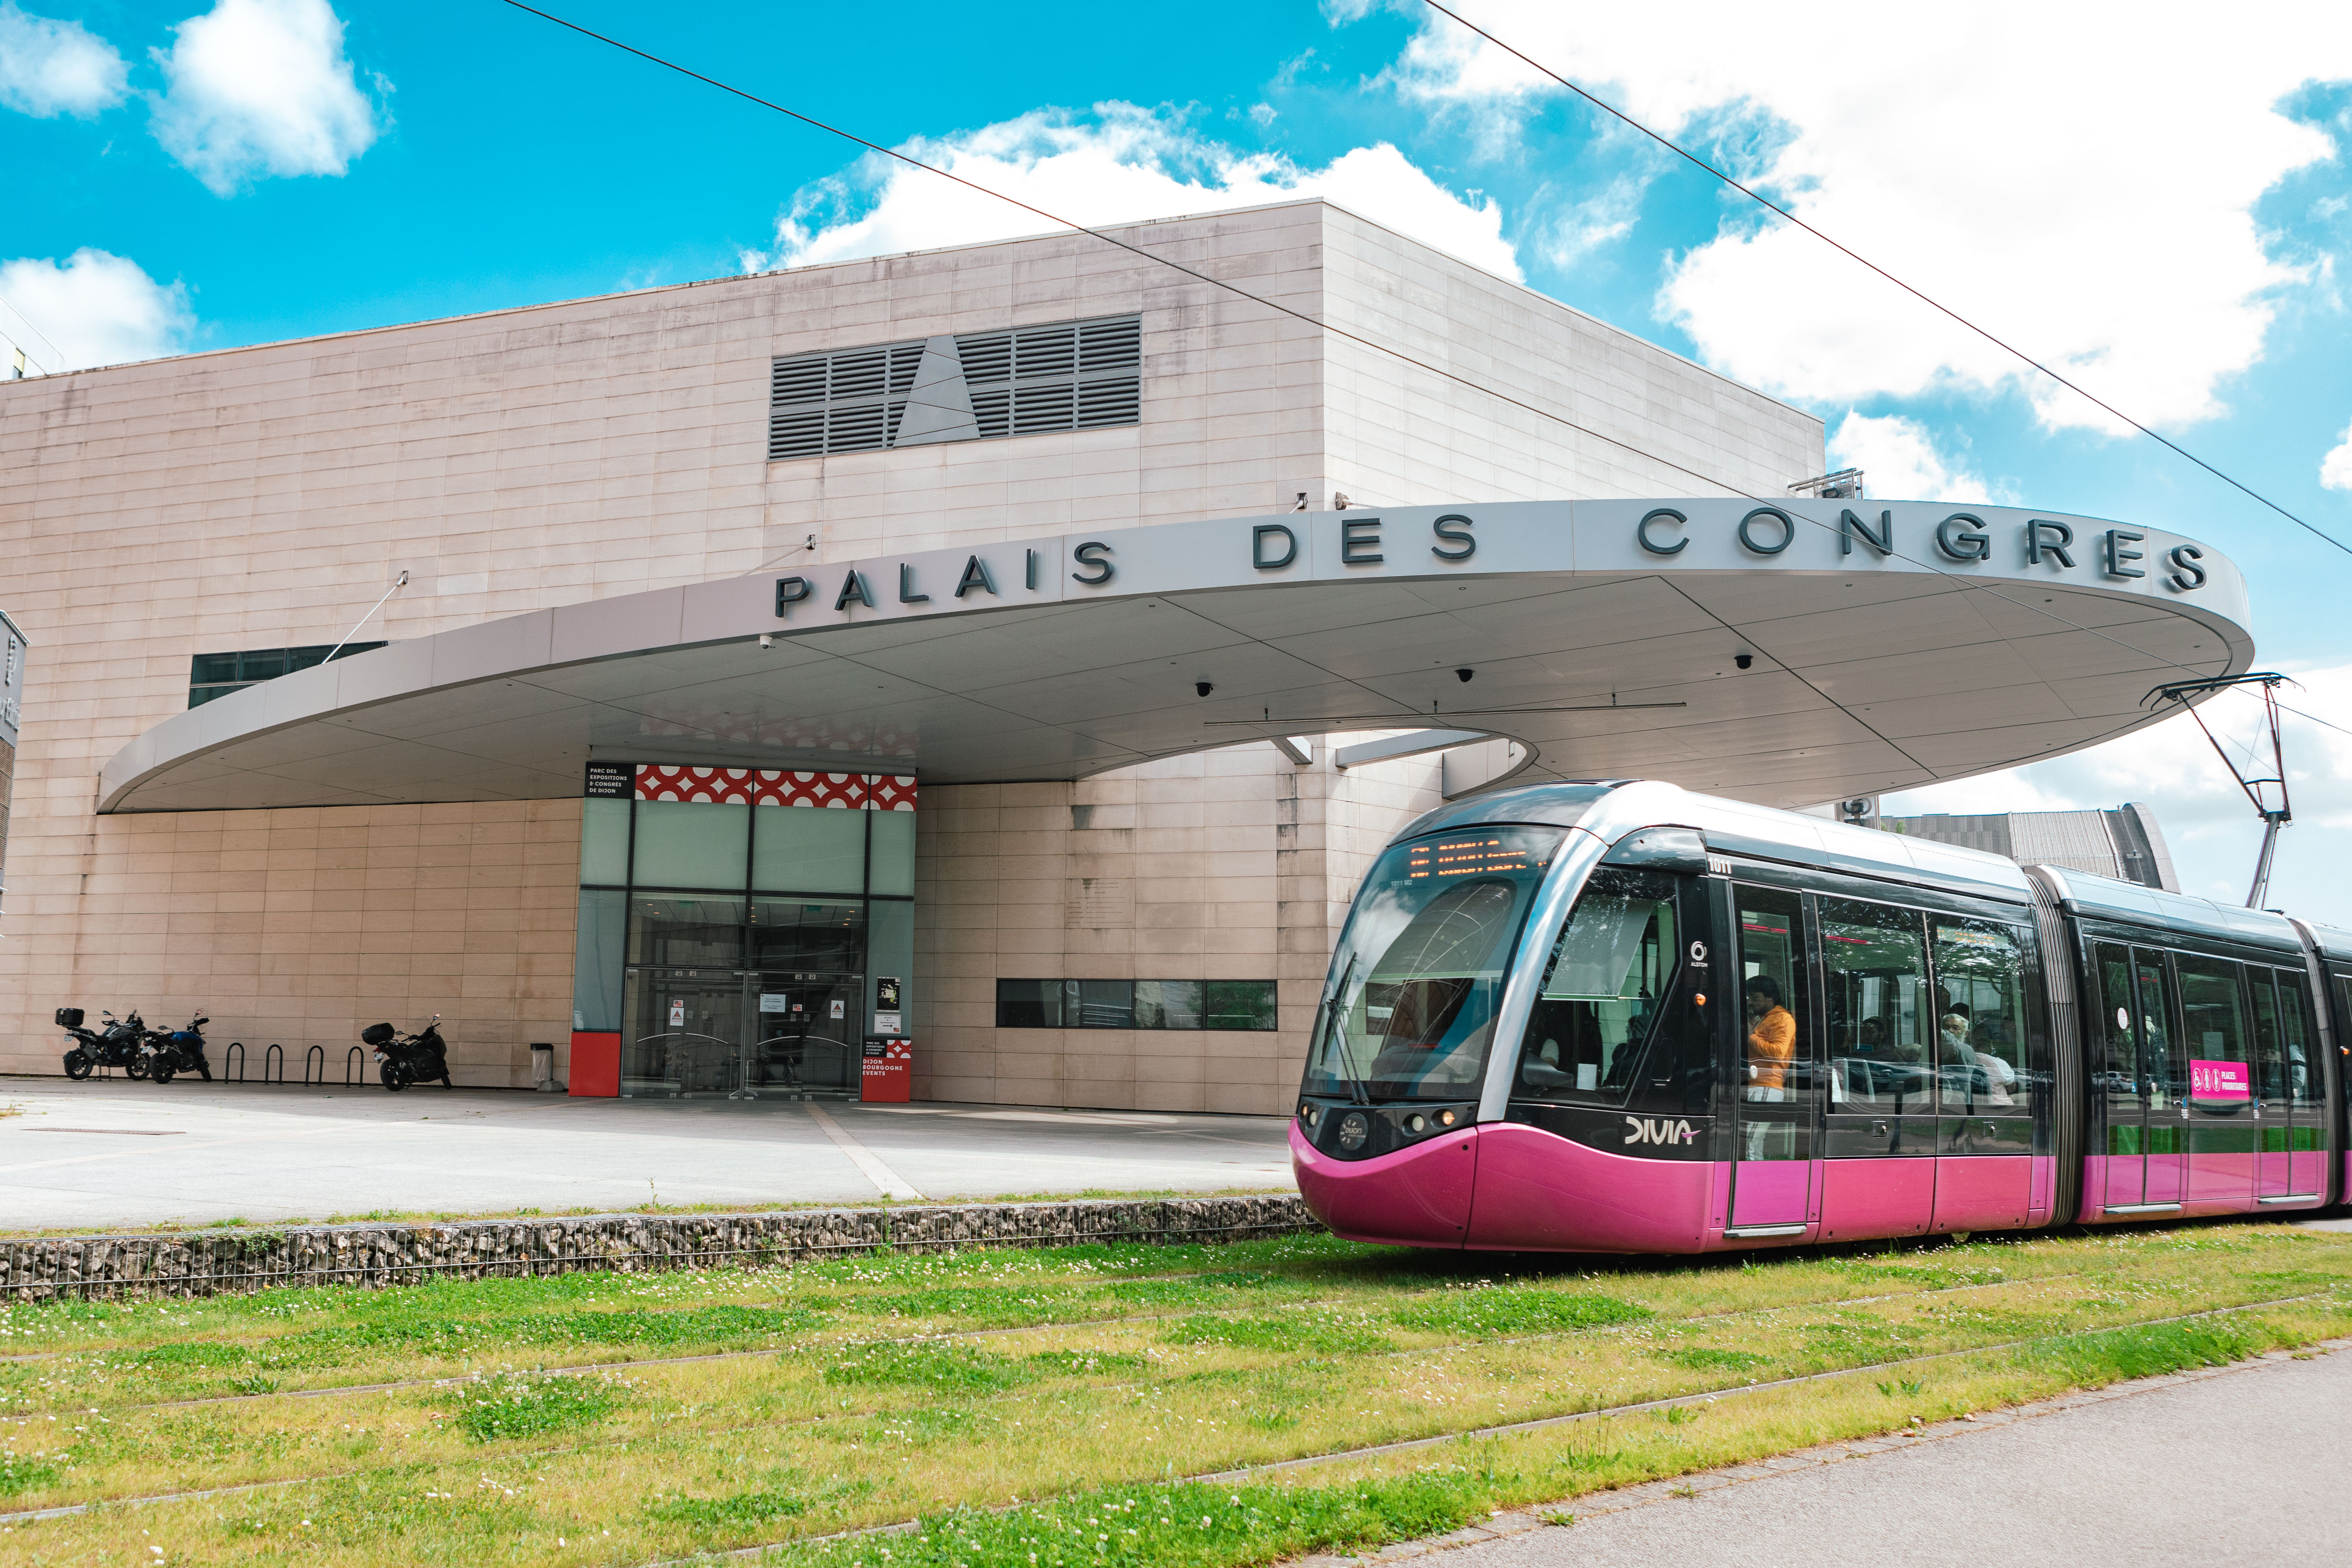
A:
x: 1772, y: 1040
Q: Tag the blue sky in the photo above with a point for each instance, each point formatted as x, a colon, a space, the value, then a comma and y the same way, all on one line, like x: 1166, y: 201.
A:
x: 2166, y: 210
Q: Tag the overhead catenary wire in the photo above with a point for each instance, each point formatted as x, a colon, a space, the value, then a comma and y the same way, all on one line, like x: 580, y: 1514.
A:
x: 1400, y: 355
x: 1939, y: 306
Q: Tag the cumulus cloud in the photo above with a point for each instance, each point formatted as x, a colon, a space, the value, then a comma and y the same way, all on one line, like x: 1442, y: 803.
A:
x: 2211, y: 829
x: 2336, y: 468
x: 261, y: 87
x: 1900, y: 461
x: 2032, y: 166
x: 97, y: 309
x: 49, y: 67
x: 1121, y: 163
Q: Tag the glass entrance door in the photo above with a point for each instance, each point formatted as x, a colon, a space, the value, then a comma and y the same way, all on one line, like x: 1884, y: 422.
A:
x: 805, y: 1037
x: 681, y: 1034
x: 2145, y: 1079
x: 739, y: 1034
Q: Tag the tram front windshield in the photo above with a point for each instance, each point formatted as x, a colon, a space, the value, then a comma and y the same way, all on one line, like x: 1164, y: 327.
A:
x: 1419, y: 970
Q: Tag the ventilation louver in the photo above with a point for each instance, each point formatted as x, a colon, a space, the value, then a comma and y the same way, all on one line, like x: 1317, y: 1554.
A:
x: 1067, y: 375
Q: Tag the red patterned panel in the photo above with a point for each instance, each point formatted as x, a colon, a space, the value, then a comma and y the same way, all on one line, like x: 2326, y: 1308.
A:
x: 842, y: 792
x: 893, y: 792
x: 704, y: 786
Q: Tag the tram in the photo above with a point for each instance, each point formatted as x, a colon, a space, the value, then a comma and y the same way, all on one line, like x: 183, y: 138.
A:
x: 1620, y: 1017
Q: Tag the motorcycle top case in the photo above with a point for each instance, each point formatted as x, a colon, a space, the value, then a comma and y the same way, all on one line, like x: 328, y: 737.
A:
x: 376, y: 1034
x: 68, y: 1017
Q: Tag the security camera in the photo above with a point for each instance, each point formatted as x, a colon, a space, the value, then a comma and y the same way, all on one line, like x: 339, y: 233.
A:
x: 1463, y: 674
x: 1202, y: 687
x: 1744, y: 661
x: 767, y: 641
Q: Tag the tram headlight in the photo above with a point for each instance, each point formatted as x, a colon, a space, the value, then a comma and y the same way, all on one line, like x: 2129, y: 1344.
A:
x: 1446, y: 1117
x: 1310, y: 1114
x: 1354, y: 1127
x: 1416, y: 1123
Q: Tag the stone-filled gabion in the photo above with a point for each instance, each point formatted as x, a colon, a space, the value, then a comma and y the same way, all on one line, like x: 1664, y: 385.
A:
x: 370, y: 1255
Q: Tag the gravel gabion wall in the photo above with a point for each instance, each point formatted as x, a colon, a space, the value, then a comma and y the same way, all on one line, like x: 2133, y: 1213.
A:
x: 210, y: 1262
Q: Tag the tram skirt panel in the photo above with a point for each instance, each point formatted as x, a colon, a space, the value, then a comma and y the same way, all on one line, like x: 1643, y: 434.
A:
x: 1538, y: 1191
x: 1414, y: 1197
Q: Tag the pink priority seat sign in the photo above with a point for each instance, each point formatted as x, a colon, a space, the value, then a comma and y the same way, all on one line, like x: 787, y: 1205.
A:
x: 2218, y: 1080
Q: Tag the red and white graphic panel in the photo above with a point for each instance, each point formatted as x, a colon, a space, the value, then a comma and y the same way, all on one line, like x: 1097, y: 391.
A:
x: 842, y: 792
x: 772, y: 786
x: 704, y: 786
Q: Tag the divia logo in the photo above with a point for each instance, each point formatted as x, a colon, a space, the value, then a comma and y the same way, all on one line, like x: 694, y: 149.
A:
x: 1644, y: 1130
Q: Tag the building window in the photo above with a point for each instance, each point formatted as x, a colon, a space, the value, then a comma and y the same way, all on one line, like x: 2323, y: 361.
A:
x: 1065, y: 375
x: 1135, y: 1004
x: 212, y: 674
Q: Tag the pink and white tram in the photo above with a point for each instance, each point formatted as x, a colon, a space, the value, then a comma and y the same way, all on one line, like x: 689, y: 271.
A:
x: 1622, y: 1017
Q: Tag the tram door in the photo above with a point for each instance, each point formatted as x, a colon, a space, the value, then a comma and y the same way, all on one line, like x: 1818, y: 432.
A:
x: 1771, y: 1182
x: 2144, y: 1076
x: 2287, y: 1097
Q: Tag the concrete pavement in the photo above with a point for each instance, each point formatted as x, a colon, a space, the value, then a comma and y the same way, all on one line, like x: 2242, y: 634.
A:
x: 2222, y: 1466
x: 111, y: 1153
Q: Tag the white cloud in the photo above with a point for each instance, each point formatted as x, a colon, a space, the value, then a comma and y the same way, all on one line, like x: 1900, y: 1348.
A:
x: 261, y: 87
x: 2208, y: 824
x: 1123, y: 164
x: 2035, y: 167
x: 96, y: 309
x: 1899, y: 462
x: 49, y: 67
x: 2336, y: 468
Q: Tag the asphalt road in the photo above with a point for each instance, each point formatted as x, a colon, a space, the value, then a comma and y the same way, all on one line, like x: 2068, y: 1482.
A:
x: 2247, y: 1467
x: 113, y: 1152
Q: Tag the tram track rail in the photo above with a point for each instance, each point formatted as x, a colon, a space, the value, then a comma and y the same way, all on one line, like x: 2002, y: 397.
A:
x: 1699, y: 1396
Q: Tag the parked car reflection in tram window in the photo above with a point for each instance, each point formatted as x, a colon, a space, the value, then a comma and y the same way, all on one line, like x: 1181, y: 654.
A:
x: 1875, y: 959
x: 1981, y: 1032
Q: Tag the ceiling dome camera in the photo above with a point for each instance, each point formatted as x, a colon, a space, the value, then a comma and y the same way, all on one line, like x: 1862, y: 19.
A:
x: 1202, y: 687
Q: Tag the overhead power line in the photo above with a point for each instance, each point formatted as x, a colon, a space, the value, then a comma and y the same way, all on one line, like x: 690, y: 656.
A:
x: 1761, y: 200
x: 1395, y: 353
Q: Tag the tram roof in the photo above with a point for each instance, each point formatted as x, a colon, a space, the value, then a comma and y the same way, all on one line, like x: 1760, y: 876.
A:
x: 2105, y: 898
x: 2332, y: 942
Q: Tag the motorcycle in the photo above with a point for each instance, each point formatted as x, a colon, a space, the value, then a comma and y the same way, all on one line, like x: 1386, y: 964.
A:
x: 122, y: 1044
x: 403, y: 1059
x: 172, y: 1051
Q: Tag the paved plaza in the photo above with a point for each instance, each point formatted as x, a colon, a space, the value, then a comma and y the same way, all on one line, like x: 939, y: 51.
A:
x: 111, y: 1152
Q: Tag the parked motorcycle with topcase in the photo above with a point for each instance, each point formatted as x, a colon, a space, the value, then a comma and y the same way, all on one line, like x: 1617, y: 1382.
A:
x: 122, y: 1043
x: 172, y: 1051
x: 403, y: 1059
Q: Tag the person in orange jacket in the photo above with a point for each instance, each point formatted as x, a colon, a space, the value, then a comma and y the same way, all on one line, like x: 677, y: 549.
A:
x: 1772, y: 1037
x: 1771, y: 1046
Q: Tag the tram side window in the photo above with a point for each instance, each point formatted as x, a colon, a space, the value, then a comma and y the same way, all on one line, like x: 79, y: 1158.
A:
x: 1981, y: 1033
x: 2213, y: 1028
x: 1605, y: 986
x: 1875, y: 960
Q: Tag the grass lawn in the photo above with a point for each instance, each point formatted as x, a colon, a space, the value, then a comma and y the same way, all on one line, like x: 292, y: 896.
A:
x: 1050, y: 1407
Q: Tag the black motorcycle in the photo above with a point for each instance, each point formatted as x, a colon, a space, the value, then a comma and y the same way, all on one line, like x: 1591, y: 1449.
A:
x: 122, y: 1044
x: 403, y: 1059
x: 172, y: 1052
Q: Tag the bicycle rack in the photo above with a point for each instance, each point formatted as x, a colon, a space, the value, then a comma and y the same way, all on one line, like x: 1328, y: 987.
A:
x: 235, y: 1053
x: 318, y: 1053
x: 352, y: 1064
x: 274, y: 1054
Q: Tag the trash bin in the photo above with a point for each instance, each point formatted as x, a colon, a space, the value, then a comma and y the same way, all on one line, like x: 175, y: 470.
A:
x: 887, y: 1075
x: 543, y: 1067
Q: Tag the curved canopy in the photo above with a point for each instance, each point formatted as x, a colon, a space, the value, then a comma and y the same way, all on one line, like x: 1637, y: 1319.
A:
x: 1887, y: 644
